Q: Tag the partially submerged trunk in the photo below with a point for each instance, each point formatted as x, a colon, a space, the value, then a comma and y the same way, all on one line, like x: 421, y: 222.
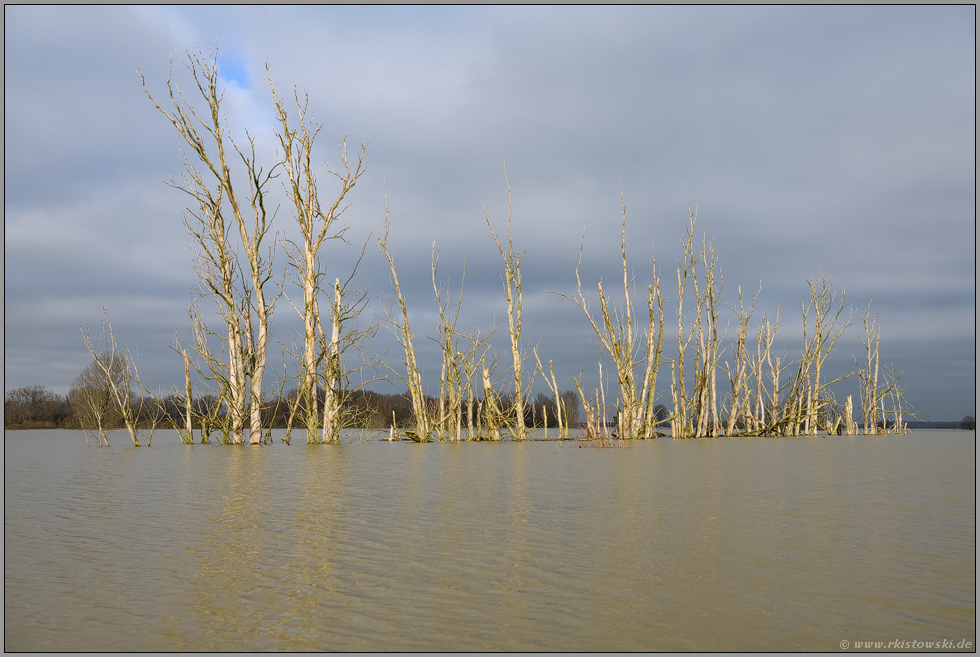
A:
x: 514, y: 292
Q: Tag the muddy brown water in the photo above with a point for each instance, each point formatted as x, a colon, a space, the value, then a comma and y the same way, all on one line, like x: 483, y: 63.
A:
x: 717, y: 545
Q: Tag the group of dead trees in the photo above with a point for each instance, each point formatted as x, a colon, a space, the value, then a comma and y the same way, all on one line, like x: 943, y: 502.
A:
x: 468, y: 368
x: 231, y: 227
x: 230, y: 222
x: 481, y: 395
x: 753, y: 391
x: 758, y: 392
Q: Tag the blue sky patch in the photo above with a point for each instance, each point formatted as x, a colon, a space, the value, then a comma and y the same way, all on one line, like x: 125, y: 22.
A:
x: 233, y: 69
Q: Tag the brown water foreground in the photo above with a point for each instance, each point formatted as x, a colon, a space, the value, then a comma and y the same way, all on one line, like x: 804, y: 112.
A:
x: 728, y: 544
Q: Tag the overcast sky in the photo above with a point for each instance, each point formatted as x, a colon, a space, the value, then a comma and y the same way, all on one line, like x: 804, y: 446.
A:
x: 838, y: 140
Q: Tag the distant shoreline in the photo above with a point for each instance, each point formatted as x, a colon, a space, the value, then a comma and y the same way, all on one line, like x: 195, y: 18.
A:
x: 935, y: 425
x: 49, y: 427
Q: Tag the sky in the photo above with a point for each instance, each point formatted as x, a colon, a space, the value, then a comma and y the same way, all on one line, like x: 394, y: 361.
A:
x: 810, y: 140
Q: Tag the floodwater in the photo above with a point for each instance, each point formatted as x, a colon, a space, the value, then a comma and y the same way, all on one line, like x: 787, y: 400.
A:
x: 714, y: 545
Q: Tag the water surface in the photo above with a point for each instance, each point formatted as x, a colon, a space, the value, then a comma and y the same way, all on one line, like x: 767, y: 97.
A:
x: 728, y: 544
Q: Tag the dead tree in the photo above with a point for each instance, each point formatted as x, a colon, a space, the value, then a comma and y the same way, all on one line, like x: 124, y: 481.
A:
x: 343, y: 356
x: 739, y: 414
x: 828, y: 327
x: 654, y: 353
x: 695, y: 402
x: 317, y: 225
x: 552, y: 382
x: 868, y: 373
x: 182, y: 423
x: 450, y: 408
x: 706, y: 389
x: 246, y: 310
x: 221, y: 375
x: 412, y: 377
x: 514, y: 292
x: 617, y: 332
x: 493, y: 414
x: 471, y: 361
x: 875, y: 393
x: 118, y: 369
x: 92, y: 399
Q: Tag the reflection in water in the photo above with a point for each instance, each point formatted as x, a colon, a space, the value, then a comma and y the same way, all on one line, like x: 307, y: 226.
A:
x: 264, y: 555
x: 747, y: 544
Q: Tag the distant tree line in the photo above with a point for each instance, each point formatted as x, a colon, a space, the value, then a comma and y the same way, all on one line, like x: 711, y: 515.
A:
x: 36, y: 407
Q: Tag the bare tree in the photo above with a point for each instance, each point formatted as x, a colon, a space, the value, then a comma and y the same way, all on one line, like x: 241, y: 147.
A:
x: 222, y: 404
x: 317, y: 225
x: 767, y: 336
x: 183, y: 423
x: 879, y: 387
x: 450, y: 410
x: 828, y: 327
x: 413, y: 376
x: 118, y: 371
x: 654, y: 353
x: 740, y: 410
x: 247, y: 311
x: 293, y: 399
x: 617, y: 331
x: 695, y: 409
x: 343, y: 356
x: 708, y: 344
x: 552, y: 383
x: 868, y: 373
x: 472, y: 360
x: 92, y: 399
x: 493, y: 412
x: 596, y: 422
x: 216, y: 266
x: 514, y: 292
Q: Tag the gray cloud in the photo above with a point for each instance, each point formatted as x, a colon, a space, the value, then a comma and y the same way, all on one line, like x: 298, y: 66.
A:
x: 835, y: 139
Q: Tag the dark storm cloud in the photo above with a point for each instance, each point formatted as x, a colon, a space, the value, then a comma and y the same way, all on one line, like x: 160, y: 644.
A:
x: 811, y: 139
